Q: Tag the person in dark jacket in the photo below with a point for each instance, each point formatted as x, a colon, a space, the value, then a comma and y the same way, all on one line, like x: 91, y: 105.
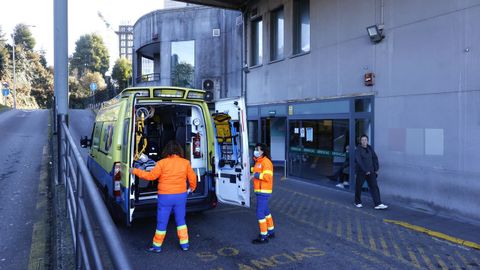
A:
x: 366, y: 162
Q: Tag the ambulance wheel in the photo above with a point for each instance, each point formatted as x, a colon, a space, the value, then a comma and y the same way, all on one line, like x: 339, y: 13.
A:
x: 117, y: 217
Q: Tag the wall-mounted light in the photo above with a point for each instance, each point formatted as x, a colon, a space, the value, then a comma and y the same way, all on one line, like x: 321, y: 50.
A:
x: 375, y: 32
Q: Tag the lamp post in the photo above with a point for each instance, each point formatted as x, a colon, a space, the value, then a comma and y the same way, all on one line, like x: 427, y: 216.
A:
x: 14, y: 75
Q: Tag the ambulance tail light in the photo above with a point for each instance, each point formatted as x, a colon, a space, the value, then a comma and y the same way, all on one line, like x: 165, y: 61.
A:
x: 117, y: 177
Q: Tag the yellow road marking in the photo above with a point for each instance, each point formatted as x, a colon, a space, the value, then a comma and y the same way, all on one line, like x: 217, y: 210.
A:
x: 395, y: 246
x: 435, y: 234
x: 373, y: 245
x: 38, y: 247
x: 453, y: 262
x: 339, y: 229
x: 359, y: 232
x: 463, y: 260
x: 441, y: 262
x: 426, y: 259
x: 412, y: 256
x: 384, y: 246
x: 349, y: 229
x: 341, y: 205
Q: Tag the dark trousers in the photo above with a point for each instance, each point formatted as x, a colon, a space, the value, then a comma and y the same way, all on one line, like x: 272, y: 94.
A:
x: 372, y: 186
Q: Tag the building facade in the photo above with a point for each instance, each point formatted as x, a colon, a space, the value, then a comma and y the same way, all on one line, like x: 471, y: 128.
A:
x: 198, y: 47
x: 125, y: 41
x: 316, y: 82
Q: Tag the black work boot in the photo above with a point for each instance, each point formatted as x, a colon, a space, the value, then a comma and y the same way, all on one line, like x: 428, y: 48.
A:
x: 271, y: 235
x: 260, y: 240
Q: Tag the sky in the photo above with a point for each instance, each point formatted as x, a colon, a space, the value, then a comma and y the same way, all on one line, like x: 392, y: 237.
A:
x: 82, y: 19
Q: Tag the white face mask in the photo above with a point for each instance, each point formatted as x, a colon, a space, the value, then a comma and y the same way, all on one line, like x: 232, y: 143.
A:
x: 256, y: 153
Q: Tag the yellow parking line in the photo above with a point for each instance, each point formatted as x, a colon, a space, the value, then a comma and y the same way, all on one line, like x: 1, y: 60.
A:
x: 339, y: 229
x: 359, y: 232
x: 435, y: 234
x: 395, y: 246
x: 39, y: 244
x: 373, y: 245
x: 384, y: 246
x: 453, y: 262
x: 425, y: 258
x: 463, y: 260
x: 349, y: 229
x: 441, y: 262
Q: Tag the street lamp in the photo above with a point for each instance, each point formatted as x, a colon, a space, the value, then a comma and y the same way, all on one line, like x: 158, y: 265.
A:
x: 14, y: 76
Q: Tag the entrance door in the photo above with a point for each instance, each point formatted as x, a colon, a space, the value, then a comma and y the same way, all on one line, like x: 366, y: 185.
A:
x: 274, y: 136
x: 317, y: 147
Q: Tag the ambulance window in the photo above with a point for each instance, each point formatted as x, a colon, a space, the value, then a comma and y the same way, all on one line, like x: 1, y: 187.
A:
x: 96, y: 134
x: 107, y: 137
x: 126, y: 128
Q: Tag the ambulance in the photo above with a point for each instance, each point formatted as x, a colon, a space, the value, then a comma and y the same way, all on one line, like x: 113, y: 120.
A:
x: 131, y: 130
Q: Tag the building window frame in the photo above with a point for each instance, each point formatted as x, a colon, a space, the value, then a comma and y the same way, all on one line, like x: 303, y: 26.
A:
x: 256, y: 44
x: 277, y: 35
x: 301, y: 27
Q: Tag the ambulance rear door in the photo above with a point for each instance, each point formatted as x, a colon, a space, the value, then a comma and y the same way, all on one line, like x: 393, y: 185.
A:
x: 232, y: 165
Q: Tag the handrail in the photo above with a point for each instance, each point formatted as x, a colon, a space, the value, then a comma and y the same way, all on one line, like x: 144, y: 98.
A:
x: 80, y: 190
x: 148, y: 77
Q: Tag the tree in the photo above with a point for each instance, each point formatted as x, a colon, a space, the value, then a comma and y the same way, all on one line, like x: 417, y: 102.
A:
x: 182, y: 75
x: 122, y: 72
x: 4, y: 56
x: 90, y: 54
x: 95, y: 77
x: 23, y: 37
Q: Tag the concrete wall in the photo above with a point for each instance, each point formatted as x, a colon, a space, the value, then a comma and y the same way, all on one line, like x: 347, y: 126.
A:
x: 427, y: 90
x: 216, y: 57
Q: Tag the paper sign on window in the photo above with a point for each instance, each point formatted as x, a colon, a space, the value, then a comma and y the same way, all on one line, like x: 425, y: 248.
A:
x: 309, y: 134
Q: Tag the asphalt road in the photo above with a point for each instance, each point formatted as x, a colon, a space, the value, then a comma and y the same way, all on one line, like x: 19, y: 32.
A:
x: 23, y: 137
x: 316, y: 227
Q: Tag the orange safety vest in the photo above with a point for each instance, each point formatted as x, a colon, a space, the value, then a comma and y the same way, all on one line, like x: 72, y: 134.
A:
x: 264, y: 182
x: 171, y: 173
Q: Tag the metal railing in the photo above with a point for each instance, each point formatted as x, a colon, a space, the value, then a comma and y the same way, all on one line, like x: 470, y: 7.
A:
x: 82, y: 192
x: 148, y: 77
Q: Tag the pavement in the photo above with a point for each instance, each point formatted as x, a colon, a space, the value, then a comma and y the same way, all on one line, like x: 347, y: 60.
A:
x: 24, y: 192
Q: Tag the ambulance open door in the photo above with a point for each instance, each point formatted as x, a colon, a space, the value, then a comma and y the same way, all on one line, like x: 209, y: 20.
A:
x: 232, y: 165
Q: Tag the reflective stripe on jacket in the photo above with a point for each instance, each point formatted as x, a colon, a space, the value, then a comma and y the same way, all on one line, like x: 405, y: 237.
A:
x: 172, y: 173
x: 262, y: 175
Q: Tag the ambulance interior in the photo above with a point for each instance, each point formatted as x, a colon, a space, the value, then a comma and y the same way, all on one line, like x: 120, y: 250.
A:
x: 162, y: 123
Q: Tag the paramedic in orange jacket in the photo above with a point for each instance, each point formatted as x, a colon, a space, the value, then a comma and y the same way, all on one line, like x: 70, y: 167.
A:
x: 262, y: 186
x: 171, y: 171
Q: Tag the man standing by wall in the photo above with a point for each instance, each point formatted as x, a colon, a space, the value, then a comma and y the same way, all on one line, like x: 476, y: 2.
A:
x: 367, y: 169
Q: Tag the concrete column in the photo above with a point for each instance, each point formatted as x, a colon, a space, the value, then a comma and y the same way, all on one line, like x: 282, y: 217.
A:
x: 60, y: 34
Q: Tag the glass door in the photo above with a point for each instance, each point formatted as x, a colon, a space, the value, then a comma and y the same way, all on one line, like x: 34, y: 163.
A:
x: 317, y: 147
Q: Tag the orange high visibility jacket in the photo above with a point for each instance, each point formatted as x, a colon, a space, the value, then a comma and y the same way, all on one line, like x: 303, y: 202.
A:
x: 262, y: 175
x: 171, y: 173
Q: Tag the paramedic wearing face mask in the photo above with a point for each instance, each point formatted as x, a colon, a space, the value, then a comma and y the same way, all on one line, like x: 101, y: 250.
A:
x: 262, y: 185
x: 172, y: 172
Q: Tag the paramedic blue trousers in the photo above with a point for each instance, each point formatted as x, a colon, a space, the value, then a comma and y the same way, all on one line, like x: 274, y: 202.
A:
x: 265, y: 220
x: 165, y: 204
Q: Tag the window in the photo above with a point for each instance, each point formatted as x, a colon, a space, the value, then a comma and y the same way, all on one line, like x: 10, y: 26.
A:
x: 301, y: 26
x: 257, y: 42
x: 183, y: 63
x: 96, y: 135
x: 147, y: 66
x: 107, y: 137
x: 277, y: 36
x: 125, y: 149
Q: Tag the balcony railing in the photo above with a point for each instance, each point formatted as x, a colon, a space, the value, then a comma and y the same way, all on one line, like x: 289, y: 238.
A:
x: 152, y: 77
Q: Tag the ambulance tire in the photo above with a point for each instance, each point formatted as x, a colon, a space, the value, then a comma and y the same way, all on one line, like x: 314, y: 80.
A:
x: 115, y: 214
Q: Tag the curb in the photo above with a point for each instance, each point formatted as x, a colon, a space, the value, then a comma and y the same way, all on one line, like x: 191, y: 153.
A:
x: 435, y: 234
